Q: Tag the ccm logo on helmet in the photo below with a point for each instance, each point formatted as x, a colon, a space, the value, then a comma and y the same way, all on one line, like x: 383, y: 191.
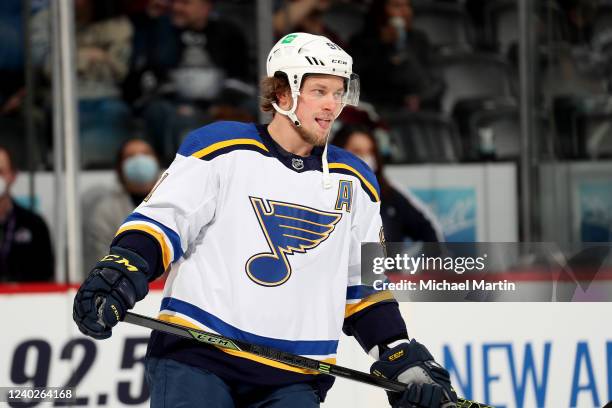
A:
x: 335, y: 61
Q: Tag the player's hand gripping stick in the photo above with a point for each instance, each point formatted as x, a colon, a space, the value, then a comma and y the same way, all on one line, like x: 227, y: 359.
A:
x: 113, y: 286
x: 428, y: 383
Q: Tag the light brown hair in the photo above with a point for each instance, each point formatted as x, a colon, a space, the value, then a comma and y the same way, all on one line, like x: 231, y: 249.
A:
x: 271, y: 87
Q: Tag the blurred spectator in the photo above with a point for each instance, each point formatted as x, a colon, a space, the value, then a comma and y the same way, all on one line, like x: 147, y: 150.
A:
x: 184, y: 64
x: 137, y: 168
x: 580, y: 15
x: 104, y: 42
x: 304, y: 16
x: 153, y: 51
x: 403, y: 216
x: 11, y: 56
x: 12, y: 75
x: 226, y: 112
x: 476, y: 9
x: 25, y: 246
x: 394, y: 60
x: 103, y: 48
x: 207, y: 42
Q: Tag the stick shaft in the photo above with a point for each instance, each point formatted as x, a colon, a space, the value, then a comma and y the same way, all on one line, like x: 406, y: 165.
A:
x: 273, y: 354
x: 262, y: 351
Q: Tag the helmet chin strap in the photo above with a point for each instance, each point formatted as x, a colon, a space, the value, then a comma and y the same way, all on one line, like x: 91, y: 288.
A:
x: 326, y: 177
x: 291, y: 112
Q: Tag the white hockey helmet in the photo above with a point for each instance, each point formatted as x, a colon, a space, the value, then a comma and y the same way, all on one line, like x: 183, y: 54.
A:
x: 298, y: 54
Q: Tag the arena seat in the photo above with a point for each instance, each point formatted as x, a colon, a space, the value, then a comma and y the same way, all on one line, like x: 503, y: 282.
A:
x: 345, y: 19
x: 502, y: 24
x: 473, y: 75
x: 423, y: 138
x: 447, y: 25
x: 496, y: 133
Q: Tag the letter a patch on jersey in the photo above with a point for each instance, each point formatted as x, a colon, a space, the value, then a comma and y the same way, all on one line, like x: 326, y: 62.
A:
x: 288, y: 229
x: 345, y: 195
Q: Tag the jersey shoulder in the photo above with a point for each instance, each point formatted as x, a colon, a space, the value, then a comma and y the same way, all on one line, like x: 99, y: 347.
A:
x: 220, y: 138
x: 343, y: 162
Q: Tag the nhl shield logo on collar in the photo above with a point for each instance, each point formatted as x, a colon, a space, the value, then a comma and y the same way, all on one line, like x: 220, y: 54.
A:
x: 297, y: 164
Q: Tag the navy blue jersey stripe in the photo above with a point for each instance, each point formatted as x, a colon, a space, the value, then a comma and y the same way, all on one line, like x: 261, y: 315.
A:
x: 172, y: 235
x: 217, y: 132
x: 381, y: 323
x: 359, y: 292
x: 304, y: 347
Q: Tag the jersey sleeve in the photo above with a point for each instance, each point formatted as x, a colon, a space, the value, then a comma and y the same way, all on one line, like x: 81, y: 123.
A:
x: 180, y: 205
x: 371, y: 316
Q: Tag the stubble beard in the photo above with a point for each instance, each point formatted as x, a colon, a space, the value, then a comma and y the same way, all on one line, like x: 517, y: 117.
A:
x: 312, y: 137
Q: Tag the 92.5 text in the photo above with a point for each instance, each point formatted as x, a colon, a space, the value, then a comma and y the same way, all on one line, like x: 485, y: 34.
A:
x: 32, y: 362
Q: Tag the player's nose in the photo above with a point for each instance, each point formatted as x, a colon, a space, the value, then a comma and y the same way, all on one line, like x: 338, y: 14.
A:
x: 330, y: 103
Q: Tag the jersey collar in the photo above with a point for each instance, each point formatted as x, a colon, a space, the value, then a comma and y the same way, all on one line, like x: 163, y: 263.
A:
x: 292, y: 161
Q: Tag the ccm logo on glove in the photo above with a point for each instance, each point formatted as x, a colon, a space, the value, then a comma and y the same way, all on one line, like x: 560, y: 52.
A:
x: 120, y: 260
x: 397, y: 355
x: 114, y: 308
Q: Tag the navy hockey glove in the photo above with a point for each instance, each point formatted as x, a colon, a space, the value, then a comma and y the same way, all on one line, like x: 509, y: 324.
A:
x: 114, y: 285
x: 428, y: 383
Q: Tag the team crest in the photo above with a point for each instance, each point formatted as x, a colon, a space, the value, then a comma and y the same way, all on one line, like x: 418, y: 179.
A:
x: 288, y: 229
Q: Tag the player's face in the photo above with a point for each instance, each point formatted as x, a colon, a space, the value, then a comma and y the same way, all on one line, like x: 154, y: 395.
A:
x: 157, y: 8
x: 190, y: 13
x: 319, y: 104
x: 136, y: 147
x: 360, y: 144
x: 131, y: 149
x: 400, y: 8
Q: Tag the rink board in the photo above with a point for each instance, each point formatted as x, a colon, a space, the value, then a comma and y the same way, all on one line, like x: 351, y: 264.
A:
x: 507, y: 354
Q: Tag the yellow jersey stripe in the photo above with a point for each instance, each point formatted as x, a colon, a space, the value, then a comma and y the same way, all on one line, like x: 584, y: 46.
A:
x: 365, y: 182
x: 368, y: 301
x: 159, y: 237
x: 220, y: 145
x: 244, y: 354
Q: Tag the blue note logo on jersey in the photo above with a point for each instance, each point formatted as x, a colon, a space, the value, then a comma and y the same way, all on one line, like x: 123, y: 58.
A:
x: 288, y: 229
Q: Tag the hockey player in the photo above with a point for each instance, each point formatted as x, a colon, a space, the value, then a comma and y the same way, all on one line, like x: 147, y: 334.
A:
x: 260, y: 228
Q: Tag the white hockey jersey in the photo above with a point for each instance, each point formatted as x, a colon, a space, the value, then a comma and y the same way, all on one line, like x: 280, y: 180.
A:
x: 257, y: 249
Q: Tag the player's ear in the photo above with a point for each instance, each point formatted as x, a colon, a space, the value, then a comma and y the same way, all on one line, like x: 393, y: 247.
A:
x: 284, y: 100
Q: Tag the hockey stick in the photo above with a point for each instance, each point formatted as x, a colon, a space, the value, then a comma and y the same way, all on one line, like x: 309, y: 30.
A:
x: 276, y: 355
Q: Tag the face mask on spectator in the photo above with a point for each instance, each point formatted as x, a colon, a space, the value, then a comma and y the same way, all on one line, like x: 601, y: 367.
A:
x: 140, y: 169
x: 370, y: 160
